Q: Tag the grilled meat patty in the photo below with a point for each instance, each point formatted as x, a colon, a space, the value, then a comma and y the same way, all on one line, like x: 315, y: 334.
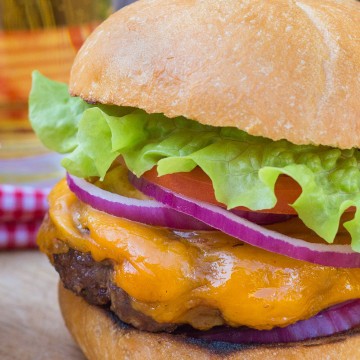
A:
x: 92, y: 280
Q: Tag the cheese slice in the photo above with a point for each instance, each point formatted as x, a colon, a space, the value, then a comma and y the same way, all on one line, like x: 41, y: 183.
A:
x: 202, y: 278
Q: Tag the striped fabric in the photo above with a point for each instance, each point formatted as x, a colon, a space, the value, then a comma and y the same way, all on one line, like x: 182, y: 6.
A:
x: 21, y: 213
x: 51, y: 51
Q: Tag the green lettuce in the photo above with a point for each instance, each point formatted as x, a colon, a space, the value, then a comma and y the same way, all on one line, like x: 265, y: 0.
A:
x: 242, y: 168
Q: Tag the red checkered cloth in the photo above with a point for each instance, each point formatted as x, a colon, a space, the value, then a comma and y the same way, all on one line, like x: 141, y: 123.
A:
x: 21, y: 213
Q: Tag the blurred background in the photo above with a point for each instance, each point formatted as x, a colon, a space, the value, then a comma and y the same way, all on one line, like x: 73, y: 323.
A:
x: 43, y: 35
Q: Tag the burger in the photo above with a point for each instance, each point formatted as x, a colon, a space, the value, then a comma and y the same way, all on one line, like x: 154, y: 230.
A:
x: 209, y: 209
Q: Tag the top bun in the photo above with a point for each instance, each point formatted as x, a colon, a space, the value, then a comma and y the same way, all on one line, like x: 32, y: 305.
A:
x: 282, y: 69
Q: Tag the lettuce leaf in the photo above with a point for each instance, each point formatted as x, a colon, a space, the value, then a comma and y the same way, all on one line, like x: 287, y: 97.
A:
x: 243, y: 168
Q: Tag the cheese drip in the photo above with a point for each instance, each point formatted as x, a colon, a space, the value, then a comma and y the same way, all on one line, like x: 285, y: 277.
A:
x: 200, y: 278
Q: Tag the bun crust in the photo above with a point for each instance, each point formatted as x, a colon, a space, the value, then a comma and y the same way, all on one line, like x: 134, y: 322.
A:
x: 100, y: 336
x: 279, y: 69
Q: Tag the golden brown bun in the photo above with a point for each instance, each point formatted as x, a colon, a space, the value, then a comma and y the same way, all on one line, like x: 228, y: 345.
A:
x: 280, y: 69
x: 101, y: 337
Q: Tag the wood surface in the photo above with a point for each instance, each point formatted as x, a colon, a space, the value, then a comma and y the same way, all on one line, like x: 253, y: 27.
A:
x: 31, y: 326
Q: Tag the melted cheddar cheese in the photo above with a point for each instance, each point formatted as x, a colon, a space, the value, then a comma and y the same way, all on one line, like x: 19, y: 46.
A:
x: 203, y: 278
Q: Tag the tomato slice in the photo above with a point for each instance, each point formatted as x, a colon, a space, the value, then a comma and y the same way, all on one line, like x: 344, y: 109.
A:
x: 197, y: 185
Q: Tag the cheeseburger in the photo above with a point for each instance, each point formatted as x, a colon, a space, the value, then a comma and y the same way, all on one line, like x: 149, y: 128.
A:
x: 209, y: 209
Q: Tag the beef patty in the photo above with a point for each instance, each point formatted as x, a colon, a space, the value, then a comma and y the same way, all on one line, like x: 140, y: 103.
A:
x: 92, y: 280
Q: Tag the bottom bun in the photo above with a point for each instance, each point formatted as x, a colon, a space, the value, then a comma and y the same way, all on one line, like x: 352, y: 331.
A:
x: 101, y: 335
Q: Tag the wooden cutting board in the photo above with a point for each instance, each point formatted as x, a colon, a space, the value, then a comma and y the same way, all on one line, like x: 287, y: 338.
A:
x: 31, y: 326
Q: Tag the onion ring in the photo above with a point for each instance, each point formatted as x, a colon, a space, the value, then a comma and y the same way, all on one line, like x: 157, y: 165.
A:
x: 149, y: 212
x: 253, y: 234
x: 339, y: 318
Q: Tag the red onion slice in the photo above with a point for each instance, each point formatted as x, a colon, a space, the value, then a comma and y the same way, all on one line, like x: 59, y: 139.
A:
x: 262, y: 218
x: 253, y: 234
x: 334, y: 320
x: 149, y: 212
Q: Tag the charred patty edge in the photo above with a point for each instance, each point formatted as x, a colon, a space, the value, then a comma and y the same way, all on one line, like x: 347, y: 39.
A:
x: 92, y: 280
